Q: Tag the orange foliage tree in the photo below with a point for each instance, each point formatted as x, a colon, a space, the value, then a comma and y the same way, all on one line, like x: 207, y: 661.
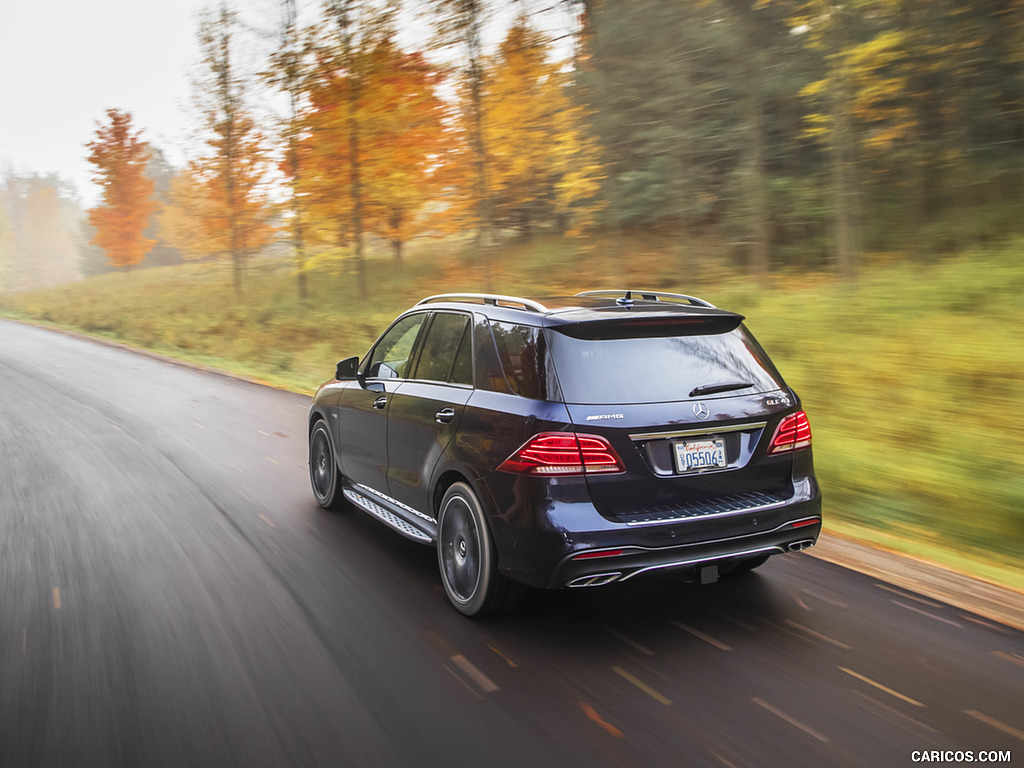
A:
x: 219, y: 205
x: 405, y: 140
x: 120, y: 157
x: 387, y: 100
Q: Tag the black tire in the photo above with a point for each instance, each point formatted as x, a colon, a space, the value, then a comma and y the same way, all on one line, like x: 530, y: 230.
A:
x: 467, y: 558
x: 323, y: 469
x: 746, y: 566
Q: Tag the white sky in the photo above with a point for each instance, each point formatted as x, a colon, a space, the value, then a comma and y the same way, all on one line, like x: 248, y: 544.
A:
x: 63, y: 63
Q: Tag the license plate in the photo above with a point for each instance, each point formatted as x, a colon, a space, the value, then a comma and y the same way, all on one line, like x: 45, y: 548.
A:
x: 700, y: 455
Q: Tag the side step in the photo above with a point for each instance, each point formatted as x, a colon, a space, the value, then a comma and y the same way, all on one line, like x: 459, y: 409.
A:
x: 387, y: 517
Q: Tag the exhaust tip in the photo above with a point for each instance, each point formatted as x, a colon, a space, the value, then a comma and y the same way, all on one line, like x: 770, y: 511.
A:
x: 800, y: 546
x: 597, y: 580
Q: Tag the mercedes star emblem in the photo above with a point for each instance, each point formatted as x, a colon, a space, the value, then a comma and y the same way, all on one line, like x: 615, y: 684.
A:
x: 701, y: 411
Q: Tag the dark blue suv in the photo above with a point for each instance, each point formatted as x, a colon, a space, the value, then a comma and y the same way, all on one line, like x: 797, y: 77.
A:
x: 573, y: 443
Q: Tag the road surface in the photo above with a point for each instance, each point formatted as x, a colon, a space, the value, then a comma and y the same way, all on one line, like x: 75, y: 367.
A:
x: 170, y: 595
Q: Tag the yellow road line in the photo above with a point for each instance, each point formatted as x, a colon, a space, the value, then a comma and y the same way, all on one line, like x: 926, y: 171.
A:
x: 1012, y: 658
x: 994, y: 723
x: 506, y: 658
x: 265, y: 520
x: 881, y: 687
x: 642, y: 686
x: 56, y: 598
x: 818, y: 635
x: 706, y: 638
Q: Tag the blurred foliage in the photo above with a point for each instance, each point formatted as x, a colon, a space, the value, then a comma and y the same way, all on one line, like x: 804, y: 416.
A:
x: 912, y: 376
x: 126, y: 206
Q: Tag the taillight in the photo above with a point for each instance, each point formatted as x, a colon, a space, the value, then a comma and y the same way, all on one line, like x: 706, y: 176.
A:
x: 563, y: 453
x: 793, y: 433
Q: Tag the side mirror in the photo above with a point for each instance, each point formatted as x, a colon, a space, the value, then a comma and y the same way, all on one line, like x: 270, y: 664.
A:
x: 347, y: 369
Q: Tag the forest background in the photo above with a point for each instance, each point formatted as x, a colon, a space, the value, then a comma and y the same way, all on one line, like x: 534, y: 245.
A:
x: 848, y: 175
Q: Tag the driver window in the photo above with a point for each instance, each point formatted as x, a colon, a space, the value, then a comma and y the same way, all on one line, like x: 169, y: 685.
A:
x: 391, y: 356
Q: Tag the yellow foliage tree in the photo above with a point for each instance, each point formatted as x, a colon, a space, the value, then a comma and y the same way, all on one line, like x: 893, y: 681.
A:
x: 543, y: 167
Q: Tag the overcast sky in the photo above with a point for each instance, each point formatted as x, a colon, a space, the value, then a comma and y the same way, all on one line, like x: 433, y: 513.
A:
x: 63, y: 63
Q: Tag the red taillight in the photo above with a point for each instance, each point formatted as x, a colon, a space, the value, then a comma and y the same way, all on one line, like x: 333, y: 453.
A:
x: 793, y: 433
x: 563, y: 453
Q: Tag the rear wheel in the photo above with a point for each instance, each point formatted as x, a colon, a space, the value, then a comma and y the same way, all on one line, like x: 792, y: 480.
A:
x: 467, y: 558
x: 323, y: 469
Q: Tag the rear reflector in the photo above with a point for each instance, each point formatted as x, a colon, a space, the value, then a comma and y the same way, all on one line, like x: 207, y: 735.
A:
x: 805, y: 523
x: 793, y: 433
x: 563, y: 453
x: 600, y: 553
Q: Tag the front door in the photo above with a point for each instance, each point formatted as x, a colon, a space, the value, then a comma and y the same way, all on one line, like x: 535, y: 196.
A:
x: 364, y: 406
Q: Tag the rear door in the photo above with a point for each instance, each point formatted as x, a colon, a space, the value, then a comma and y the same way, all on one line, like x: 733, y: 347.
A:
x: 425, y: 411
x: 690, y: 415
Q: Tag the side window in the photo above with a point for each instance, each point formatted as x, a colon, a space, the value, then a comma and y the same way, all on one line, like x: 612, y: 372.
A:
x: 462, y: 370
x: 488, y: 367
x: 391, y: 356
x: 524, y: 357
x: 440, y: 346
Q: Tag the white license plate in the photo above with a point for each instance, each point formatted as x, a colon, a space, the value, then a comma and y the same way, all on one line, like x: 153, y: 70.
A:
x: 700, y: 455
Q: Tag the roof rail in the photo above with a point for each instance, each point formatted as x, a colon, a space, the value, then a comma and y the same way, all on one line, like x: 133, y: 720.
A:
x: 493, y: 299
x: 626, y: 297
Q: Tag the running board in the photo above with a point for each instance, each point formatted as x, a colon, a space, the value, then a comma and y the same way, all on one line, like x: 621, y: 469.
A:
x: 387, y: 517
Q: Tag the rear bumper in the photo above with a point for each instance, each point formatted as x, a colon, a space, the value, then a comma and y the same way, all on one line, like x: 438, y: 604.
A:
x: 587, y: 568
x: 566, y: 543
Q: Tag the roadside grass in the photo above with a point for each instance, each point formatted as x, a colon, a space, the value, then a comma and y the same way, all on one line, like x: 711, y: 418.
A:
x: 913, y: 376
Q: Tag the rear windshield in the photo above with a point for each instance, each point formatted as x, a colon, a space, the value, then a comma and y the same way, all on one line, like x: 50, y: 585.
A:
x: 659, y: 370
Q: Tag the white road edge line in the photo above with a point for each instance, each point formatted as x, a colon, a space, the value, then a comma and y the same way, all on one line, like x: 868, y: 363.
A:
x: 483, y: 681
x: 791, y: 720
x: 926, y: 613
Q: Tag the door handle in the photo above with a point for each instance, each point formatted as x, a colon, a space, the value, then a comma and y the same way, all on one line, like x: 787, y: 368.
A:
x: 380, y: 402
x: 445, y: 416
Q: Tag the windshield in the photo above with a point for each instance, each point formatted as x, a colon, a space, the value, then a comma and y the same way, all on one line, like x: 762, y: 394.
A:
x: 659, y: 370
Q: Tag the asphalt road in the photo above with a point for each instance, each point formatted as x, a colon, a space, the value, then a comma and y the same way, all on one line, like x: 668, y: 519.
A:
x: 170, y: 595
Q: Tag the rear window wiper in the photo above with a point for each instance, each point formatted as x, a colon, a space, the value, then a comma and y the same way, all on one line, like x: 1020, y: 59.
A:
x: 710, y: 389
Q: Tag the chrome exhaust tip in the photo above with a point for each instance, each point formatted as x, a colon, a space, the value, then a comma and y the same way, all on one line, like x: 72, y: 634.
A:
x: 598, y: 580
x: 800, y: 546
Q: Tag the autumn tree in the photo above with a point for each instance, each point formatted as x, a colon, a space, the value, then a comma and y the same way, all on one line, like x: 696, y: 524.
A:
x: 541, y: 164
x: 226, y: 184
x: 404, y: 142
x: 120, y: 158
x: 460, y: 24
x: 287, y: 73
x: 344, y: 111
x: 41, y: 217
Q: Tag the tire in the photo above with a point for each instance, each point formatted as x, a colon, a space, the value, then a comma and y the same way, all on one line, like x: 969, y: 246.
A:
x: 746, y: 566
x: 467, y: 558
x: 323, y: 469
